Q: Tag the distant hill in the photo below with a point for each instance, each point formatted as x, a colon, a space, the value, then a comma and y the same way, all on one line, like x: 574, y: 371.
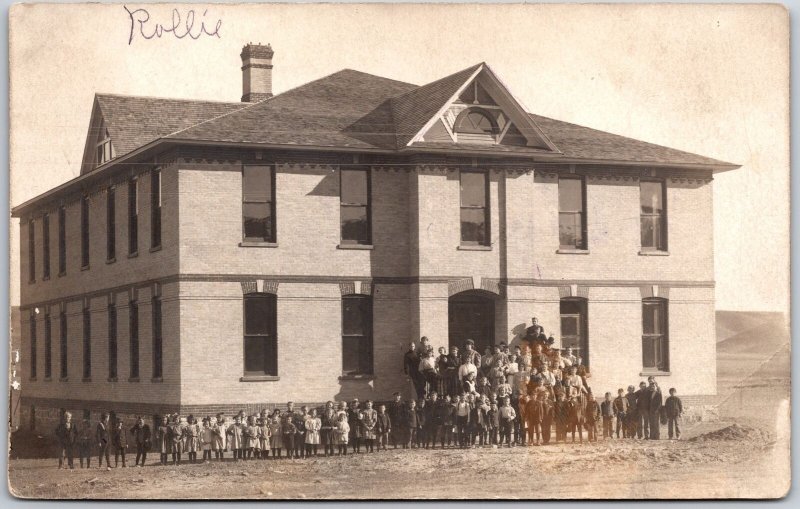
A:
x: 742, y: 331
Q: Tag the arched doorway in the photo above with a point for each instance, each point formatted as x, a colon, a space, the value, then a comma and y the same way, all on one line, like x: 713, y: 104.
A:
x: 471, y: 316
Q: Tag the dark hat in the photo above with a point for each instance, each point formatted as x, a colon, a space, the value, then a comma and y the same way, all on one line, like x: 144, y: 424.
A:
x: 396, y: 393
x: 469, y: 342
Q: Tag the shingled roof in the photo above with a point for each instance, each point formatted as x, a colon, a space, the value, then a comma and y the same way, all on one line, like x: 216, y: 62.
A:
x: 354, y: 110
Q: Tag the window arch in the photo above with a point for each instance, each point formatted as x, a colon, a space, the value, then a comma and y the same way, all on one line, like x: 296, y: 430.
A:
x: 260, y: 335
x: 476, y: 121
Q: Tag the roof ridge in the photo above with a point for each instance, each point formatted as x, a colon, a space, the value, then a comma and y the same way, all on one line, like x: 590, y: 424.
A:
x: 470, y: 68
x: 180, y: 99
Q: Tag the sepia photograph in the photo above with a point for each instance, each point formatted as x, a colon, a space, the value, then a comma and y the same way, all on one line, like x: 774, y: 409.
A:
x: 329, y: 251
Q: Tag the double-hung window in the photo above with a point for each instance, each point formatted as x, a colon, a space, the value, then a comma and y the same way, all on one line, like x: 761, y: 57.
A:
x: 653, y: 200
x: 258, y: 203
x: 260, y: 335
x: 572, y: 213
x: 354, y: 206
x: 655, y: 334
x: 475, y: 208
x: 357, y: 335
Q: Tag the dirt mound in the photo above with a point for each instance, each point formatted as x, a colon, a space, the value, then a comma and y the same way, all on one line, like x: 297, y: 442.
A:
x: 734, y: 432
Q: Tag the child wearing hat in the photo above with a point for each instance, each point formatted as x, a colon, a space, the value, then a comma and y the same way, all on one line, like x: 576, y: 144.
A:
x: 120, y: 440
x: 163, y: 441
x: 369, y: 420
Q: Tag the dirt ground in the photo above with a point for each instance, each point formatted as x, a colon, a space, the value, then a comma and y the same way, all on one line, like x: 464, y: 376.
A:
x: 745, y: 454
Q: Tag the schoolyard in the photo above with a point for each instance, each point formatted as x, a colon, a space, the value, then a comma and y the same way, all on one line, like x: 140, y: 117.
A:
x: 744, y: 453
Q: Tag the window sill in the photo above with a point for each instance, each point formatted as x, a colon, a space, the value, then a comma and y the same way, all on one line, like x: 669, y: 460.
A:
x: 110, y: 261
x: 366, y: 247
x: 157, y: 380
x: 250, y: 243
x: 112, y: 379
x: 62, y: 274
x: 85, y: 267
x: 46, y: 278
x: 357, y: 377
x: 133, y: 255
x: 32, y: 379
x: 48, y: 379
x: 259, y: 378
x: 87, y: 380
x: 655, y: 373
x: 154, y: 249
x: 63, y: 379
x: 654, y: 253
x: 572, y: 251
x: 133, y: 379
x: 473, y: 248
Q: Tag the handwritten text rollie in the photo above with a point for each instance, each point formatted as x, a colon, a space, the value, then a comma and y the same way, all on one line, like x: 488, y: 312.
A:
x: 179, y: 26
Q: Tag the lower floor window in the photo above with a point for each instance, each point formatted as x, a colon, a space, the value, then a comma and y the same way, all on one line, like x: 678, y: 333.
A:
x: 655, y: 337
x: 260, y: 335
x: 357, y: 335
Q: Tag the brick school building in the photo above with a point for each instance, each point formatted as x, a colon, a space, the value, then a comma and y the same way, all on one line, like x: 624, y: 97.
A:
x: 214, y: 256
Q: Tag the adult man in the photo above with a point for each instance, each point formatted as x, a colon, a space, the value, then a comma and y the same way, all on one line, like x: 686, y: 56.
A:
x: 569, y: 357
x: 411, y: 369
x: 620, y: 407
x: 397, y: 416
x: 632, y: 417
x: 534, y: 333
x: 469, y: 351
x: 643, y: 412
x: 654, y: 411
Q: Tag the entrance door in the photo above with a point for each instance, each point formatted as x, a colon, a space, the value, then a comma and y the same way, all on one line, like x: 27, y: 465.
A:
x: 574, y: 333
x: 471, y: 316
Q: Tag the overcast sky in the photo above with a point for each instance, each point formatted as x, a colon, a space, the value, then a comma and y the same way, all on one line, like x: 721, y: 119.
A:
x: 713, y: 80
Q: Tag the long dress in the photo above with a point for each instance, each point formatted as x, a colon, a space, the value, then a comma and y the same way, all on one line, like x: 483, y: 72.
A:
x: 369, y: 421
x: 263, y: 435
x: 276, y: 437
x: 342, y: 432
x: 252, y: 437
x: 176, y: 438
x: 163, y: 443
x: 235, y: 437
x: 192, y: 432
x: 313, y: 426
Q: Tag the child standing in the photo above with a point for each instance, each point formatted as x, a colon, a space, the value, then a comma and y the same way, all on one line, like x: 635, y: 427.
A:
x: 328, y: 432
x: 120, y: 441
x: 342, y: 433
x: 220, y: 427
x: 163, y: 440
x: 313, y: 427
x: 275, y: 434
x: 192, y: 441
x: 235, y: 434
x: 674, y: 408
x: 592, y: 416
x: 207, y: 437
x: 263, y: 434
x: 369, y: 419
x: 383, y: 427
x: 289, y: 430
x: 507, y: 416
x: 67, y: 436
x: 412, y: 424
x: 533, y: 413
x: 493, y: 422
x: 621, y: 413
x: 176, y: 439
x: 141, y: 438
x: 85, y: 443
x: 103, y: 437
x: 607, y: 414
x: 250, y: 438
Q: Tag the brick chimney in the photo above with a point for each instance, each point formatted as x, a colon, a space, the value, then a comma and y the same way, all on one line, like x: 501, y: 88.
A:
x: 256, y: 72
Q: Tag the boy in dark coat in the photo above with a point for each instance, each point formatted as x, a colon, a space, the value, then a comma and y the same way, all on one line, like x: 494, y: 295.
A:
x: 141, y: 438
x: 67, y: 435
x: 383, y: 427
x: 621, y: 413
x: 120, y: 441
x: 103, y: 438
x: 592, y: 416
x: 643, y: 412
x: 607, y: 414
x: 561, y: 416
x: 411, y: 424
x: 656, y: 402
x: 674, y: 408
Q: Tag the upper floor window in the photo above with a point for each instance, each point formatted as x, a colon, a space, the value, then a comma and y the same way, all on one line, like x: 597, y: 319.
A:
x: 133, y: 335
x: 653, y: 200
x: 133, y: 216
x: 260, y: 334
x: 62, y: 240
x: 155, y: 209
x: 112, y: 342
x: 572, y: 213
x: 111, y: 230
x: 655, y: 334
x: 104, y: 150
x: 48, y: 347
x: 63, y: 342
x: 475, y: 208
x: 84, y: 231
x: 357, y: 335
x: 258, y: 203
x: 87, y: 344
x: 31, y: 251
x: 354, y: 206
x: 46, y: 246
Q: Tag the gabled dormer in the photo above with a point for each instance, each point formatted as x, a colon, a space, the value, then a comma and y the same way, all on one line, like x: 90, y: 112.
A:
x: 99, y: 147
x: 481, y: 111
